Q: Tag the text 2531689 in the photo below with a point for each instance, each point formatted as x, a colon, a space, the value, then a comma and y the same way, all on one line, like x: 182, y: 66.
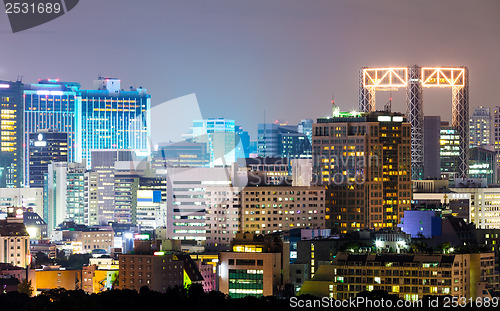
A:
x: 32, y: 8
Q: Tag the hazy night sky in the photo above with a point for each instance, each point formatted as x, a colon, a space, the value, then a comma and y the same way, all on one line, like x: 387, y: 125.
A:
x: 241, y: 57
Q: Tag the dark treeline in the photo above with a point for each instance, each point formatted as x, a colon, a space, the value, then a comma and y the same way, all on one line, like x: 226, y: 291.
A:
x: 175, y: 299
x: 145, y: 300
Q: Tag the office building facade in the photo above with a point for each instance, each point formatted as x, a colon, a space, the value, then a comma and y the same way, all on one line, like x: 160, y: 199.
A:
x: 187, y: 209
x: 56, y: 106
x: 483, y: 163
x: 282, y: 140
x: 65, y: 194
x: 480, y: 127
x: 45, y: 147
x: 114, y: 119
x: 449, y: 150
x: 224, y: 210
x: 432, y: 163
x: 12, y: 127
x: 364, y: 160
x: 256, y: 266
x: 220, y: 138
x: 269, y: 209
x: 408, y: 276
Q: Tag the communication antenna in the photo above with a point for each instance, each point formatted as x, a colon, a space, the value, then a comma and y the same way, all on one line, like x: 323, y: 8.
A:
x: 388, y: 106
x: 335, y: 109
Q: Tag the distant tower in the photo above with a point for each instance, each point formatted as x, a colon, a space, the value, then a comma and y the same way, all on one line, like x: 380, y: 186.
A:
x: 480, y: 127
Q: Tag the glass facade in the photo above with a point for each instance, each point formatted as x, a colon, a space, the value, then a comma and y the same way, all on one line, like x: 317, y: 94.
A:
x: 115, y: 121
x: 92, y: 119
x: 449, y: 150
x: 220, y: 137
x: 51, y: 105
x: 243, y: 282
x: 11, y: 118
x: 45, y: 147
x: 75, y: 196
x: 483, y: 164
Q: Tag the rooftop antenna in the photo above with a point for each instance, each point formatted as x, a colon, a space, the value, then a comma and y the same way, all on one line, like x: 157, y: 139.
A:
x: 335, y: 109
x: 388, y: 106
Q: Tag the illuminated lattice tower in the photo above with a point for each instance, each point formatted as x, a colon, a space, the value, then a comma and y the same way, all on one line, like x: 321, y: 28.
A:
x: 414, y: 78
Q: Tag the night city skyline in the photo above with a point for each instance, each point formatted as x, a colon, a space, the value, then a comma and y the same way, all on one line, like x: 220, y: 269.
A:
x: 259, y: 154
x: 240, y: 59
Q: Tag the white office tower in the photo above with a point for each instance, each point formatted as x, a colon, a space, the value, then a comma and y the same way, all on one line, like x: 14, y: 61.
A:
x: 65, y: 194
x: 202, y: 206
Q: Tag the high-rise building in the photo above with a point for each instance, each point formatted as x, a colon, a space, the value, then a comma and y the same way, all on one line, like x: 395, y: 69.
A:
x: 364, y: 159
x: 104, y: 118
x: 484, y: 205
x: 242, y: 143
x: 101, y: 186
x: 305, y: 127
x: 56, y: 106
x: 11, y: 149
x: 295, y: 146
x: 449, y: 150
x: 77, y: 193
x: 480, y: 127
x: 114, y: 119
x: 432, y: 163
x: 223, y: 206
x: 65, y: 196
x: 271, y: 142
x: 495, y: 129
x: 483, y: 163
x: 126, y: 186
x: 269, y: 209
x: 45, y: 147
x: 151, y: 211
x: 187, y: 201
x: 220, y: 137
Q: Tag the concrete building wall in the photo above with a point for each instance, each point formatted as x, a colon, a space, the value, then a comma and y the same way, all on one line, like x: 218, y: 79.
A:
x: 432, y: 164
x: 276, y: 208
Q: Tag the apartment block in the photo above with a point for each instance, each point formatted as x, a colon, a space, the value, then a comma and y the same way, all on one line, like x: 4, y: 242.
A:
x: 158, y: 271
x: 271, y: 209
x: 409, y: 276
x: 364, y: 159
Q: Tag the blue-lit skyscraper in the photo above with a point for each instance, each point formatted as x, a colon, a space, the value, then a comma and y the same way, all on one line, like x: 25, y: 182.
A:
x: 104, y: 118
x: 282, y: 140
x: 114, y: 119
x: 11, y: 150
x: 242, y: 142
x: 55, y: 106
x: 305, y: 127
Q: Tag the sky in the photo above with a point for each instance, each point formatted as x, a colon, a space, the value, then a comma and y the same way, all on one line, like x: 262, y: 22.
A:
x: 262, y: 59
